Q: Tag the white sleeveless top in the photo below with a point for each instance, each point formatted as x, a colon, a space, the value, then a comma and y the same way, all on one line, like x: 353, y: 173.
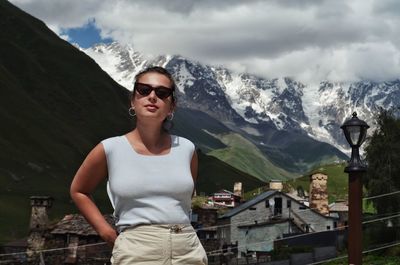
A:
x: 145, y: 189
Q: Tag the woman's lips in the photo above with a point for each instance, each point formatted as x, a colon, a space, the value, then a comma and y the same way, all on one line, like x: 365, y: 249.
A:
x: 151, y: 107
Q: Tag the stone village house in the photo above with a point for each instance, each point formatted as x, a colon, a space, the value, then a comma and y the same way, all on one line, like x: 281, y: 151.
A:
x: 204, y: 220
x: 71, y: 241
x: 257, y: 224
x: 251, y: 227
x: 73, y: 231
x: 224, y: 198
x: 227, y: 198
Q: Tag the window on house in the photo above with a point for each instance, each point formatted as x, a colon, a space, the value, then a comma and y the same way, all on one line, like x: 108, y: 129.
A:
x: 252, y: 208
x: 328, y: 227
x: 278, y: 205
x: 288, y: 203
x: 223, y: 233
x: 267, y: 204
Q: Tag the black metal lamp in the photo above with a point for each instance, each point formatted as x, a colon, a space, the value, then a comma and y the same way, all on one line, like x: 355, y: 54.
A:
x: 355, y: 131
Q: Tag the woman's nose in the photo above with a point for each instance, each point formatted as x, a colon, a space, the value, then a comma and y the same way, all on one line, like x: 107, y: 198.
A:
x: 152, y: 95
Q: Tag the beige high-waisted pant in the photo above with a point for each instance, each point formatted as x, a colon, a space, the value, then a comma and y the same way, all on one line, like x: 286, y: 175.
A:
x: 158, y: 245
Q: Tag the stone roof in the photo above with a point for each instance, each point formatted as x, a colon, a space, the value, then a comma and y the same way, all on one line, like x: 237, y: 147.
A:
x: 263, y: 196
x: 296, y: 197
x: 77, y: 224
x: 224, y: 191
x: 250, y: 203
x: 339, y: 207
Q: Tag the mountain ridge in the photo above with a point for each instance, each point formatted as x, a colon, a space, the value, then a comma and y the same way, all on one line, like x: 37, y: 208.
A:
x: 286, y: 104
x: 204, y: 88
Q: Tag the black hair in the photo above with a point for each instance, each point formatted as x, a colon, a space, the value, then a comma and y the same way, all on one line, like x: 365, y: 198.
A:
x: 167, y: 123
x: 162, y: 71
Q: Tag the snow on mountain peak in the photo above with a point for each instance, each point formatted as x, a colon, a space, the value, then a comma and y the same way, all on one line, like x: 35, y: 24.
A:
x: 122, y: 63
x: 315, y: 109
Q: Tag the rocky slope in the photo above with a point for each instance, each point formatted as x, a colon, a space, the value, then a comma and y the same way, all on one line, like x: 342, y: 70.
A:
x: 250, y: 103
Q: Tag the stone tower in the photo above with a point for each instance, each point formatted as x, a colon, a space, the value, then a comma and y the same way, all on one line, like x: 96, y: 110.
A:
x: 38, y: 225
x: 237, y: 189
x: 319, y: 193
x: 275, y: 185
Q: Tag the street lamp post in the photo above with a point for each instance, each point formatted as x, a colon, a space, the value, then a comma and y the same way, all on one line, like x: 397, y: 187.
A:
x: 355, y: 131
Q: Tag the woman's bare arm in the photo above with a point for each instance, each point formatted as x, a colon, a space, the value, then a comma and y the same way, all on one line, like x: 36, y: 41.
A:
x: 92, y: 171
x: 194, y: 165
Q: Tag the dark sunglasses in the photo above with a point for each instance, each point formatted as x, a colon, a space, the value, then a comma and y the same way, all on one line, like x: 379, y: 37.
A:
x: 145, y: 90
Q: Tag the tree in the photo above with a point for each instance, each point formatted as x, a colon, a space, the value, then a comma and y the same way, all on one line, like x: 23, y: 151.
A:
x: 383, y: 175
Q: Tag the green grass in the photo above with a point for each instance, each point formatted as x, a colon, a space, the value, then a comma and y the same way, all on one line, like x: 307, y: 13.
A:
x: 338, y: 184
x: 368, y: 207
x: 15, y: 192
x: 184, y: 126
x: 215, y: 175
x: 55, y: 105
x: 15, y: 204
x: 245, y: 156
x: 337, y: 181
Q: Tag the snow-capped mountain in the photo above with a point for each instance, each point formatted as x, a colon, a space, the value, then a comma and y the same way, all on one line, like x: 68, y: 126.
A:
x: 248, y: 102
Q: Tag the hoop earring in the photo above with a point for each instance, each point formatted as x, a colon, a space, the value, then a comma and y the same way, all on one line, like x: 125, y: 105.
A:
x: 168, y: 124
x: 132, y: 112
x: 170, y: 117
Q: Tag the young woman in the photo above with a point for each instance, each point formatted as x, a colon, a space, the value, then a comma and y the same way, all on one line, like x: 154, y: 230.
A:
x: 151, y: 176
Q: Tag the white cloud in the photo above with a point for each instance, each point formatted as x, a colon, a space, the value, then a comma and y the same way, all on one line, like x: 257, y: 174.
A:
x: 338, y: 40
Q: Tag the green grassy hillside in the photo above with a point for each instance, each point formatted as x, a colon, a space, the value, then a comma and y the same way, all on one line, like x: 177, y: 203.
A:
x: 56, y: 104
x: 244, y: 155
x: 337, y: 181
x: 215, y: 175
x: 193, y: 124
x: 296, y: 152
x: 14, y: 199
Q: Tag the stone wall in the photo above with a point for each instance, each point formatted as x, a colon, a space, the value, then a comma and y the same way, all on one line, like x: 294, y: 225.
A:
x: 319, y: 193
x: 258, y: 216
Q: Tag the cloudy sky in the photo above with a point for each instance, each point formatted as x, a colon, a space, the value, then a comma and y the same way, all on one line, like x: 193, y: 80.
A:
x: 310, y: 40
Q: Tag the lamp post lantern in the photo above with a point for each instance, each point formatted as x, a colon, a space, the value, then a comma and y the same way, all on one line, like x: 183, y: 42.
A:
x: 355, y: 131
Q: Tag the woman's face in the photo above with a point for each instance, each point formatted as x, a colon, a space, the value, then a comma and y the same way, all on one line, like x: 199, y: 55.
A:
x: 151, y: 106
